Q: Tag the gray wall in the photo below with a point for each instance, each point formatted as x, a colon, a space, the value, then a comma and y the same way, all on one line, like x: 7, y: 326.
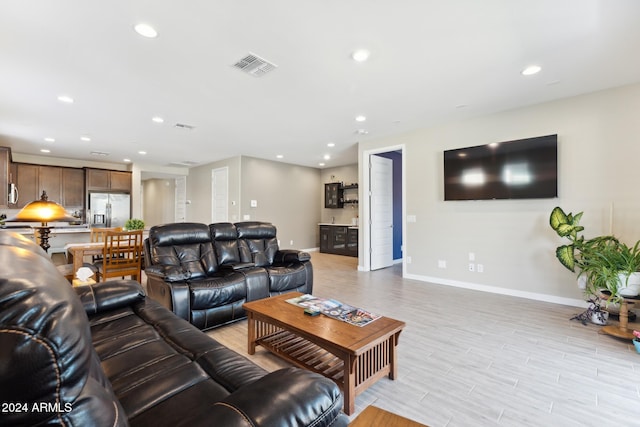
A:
x: 287, y: 196
x: 599, y: 148
x: 159, y: 200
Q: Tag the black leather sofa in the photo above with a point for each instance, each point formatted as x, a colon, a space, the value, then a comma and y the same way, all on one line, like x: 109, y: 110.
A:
x: 106, y: 355
x: 204, y: 273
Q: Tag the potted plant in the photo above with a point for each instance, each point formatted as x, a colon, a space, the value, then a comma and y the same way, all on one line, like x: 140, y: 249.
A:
x: 134, y: 224
x: 604, y: 260
x: 636, y: 340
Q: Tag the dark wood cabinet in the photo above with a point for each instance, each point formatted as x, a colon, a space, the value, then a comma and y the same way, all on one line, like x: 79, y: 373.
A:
x: 73, y: 188
x: 4, y: 177
x: 107, y: 180
x: 339, y: 240
x: 333, y: 195
x: 336, y: 195
x: 50, y: 180
x: 25, y: 177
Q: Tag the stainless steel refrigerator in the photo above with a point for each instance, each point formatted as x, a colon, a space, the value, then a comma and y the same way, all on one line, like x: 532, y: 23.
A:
x: 109, y: 209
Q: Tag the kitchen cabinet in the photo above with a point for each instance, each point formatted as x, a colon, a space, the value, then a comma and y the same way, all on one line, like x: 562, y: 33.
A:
x: 25, y: 177
x: 107, y: 180
x: 339, y: 240
x: 63, y: 185
x: 72, y: 188
x: 333, y: 195
x: 336, y: 195
x: 5, y: 156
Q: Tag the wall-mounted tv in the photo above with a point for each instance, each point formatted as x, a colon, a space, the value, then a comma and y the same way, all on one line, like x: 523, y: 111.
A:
x: 521, y: 169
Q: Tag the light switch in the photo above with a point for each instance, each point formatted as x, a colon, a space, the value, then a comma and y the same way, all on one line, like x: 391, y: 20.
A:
x: 254, y: 203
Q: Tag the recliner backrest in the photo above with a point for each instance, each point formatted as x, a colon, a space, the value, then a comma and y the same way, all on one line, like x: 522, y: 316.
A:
x: 225, y: 242
x: 185, y: 244
x: 257, y: 242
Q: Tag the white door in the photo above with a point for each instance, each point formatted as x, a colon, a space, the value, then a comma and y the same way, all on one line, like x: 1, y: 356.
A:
x: 220, y: 195
x: 381, y: 208
x: 181, y: 199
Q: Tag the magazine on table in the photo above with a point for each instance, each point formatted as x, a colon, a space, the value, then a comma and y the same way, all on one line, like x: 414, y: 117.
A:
x: 335, y: 309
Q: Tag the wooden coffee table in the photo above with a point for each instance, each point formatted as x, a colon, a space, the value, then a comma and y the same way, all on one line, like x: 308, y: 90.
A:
x: 354, y: 357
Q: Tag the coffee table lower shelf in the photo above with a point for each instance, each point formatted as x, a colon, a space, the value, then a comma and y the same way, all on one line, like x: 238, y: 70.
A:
x: 352, y: 373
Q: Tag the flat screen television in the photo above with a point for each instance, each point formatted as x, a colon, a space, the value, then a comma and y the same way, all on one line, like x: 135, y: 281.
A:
x: 520, y: 169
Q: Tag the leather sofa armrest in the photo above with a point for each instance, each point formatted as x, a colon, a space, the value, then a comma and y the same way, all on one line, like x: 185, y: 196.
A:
x: 304, y: 398
x: 109, y: 295
x: 168, y: 273
x: 291, y: 255
x: 237, y: 266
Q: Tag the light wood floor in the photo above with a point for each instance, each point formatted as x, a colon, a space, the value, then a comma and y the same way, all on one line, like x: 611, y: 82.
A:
x: 469, y: 358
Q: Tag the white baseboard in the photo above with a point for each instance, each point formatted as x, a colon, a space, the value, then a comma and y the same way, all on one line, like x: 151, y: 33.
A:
x: 497, y: 290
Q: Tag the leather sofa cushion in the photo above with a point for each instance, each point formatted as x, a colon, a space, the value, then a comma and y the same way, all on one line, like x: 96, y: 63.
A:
x: 286, y: 277
x: 257, y: 242
x: 45, y: 344
x: 225, y: 288
x: 184, y: 244
x: 225, y: 241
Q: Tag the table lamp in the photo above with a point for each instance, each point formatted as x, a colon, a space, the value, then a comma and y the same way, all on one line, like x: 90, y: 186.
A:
x: 43, y: 211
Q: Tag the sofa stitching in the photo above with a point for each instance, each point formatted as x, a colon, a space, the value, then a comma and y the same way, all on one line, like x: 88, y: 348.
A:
x: 324, y: 415
x: 233, y: 408
x: 95, y: 302
x: 53, y: 357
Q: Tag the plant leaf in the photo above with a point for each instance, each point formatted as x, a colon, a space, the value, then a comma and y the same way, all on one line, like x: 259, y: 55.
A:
x: 566, y: 257
x: 557, y: 218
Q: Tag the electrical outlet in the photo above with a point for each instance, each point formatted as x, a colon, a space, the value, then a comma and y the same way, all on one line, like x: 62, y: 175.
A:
x: 408, y: 260
x: 480, y: 268
x: 472, y: 256
x: 291, y: 242
x: 442, y: 263
x: 472, y: 267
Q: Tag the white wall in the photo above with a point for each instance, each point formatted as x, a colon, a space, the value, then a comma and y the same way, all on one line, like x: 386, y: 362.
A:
x: 159, y: 201
x: 599, y: 148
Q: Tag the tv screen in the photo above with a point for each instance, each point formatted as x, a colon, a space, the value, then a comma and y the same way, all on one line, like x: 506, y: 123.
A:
x: 521, y: 169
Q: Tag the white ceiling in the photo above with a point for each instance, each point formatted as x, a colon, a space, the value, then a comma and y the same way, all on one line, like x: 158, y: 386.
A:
x: 431, y: 61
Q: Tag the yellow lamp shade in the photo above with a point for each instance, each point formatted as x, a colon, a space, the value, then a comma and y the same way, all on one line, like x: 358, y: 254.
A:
x: 43, y: 211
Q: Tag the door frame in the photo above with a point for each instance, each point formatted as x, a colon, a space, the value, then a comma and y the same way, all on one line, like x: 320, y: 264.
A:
x: 364, y: 244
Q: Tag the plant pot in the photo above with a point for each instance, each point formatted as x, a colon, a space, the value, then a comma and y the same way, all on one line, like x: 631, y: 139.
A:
x: 636, y: 343
x: 629, y: 287
x: 600, y: 317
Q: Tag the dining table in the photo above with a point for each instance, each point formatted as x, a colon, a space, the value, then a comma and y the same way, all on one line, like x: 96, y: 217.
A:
x: 77, y: 251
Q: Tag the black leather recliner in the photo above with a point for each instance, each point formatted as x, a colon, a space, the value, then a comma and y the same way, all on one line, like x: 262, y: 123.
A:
x: 107, y: 355
x: 204, y: 273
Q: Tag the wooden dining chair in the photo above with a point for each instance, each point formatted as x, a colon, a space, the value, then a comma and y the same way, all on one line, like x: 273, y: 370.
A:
x: 97, y: 235
x: 121, y: 256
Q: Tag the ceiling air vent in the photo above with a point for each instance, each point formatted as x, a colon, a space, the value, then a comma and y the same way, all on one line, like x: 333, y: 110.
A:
x: 254, y: 65
x: 99, y: 153
x: 184, y: 126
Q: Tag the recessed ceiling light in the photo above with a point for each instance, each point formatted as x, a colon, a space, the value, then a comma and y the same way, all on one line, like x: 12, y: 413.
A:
x: 279, y: 156
x: 44, y: 150
x: 66, y: 99
x: 320, y: 164
x: 331, y: 145
x: 126, y: 160
x: 142, y: 152
x: 50, y: 139
x: 146, y: 30
x: 361, y: 118
x: 327, y: 157
x: 531, y: 70
x: 158, y: 119
x: 85, y: 138
x: 360, y: 55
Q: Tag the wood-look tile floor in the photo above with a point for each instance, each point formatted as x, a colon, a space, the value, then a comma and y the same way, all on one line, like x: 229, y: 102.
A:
x: 469, y: 358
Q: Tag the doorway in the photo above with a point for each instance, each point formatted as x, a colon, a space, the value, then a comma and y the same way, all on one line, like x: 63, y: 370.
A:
x: 372, y: 245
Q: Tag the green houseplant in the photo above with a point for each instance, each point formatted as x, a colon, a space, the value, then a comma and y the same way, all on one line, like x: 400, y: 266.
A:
x: 134, y: 224
x: 606, y: 262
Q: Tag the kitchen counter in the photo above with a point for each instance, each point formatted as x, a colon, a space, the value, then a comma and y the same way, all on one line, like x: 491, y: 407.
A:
x: 338, y: 225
